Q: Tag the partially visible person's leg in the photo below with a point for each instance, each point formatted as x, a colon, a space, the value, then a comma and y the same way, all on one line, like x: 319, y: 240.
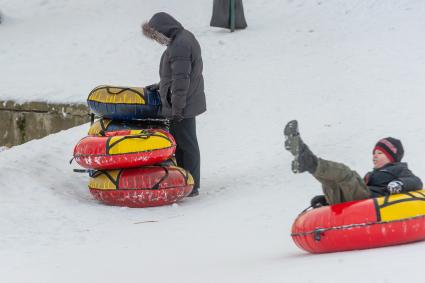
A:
x: 304, y: 159
x: 339, y: 182
x: 187, y: 151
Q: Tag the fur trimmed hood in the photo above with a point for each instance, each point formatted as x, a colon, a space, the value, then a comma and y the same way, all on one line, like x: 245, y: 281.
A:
x: 162, y: 28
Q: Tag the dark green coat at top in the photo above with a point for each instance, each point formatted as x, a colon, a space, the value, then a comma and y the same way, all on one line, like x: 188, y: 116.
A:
x: 221, y: 14
x: 181, y: 82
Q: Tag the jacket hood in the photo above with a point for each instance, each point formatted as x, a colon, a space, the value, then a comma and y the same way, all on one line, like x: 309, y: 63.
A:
x: 165, y: 24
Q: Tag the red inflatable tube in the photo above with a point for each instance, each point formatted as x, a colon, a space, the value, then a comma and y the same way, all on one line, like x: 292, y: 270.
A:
x: 363, y: 224
x: 141, y: 187
x: 124, y: 149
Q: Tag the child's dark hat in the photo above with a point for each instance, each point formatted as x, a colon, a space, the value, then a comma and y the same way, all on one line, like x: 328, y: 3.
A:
x: 391, y: 147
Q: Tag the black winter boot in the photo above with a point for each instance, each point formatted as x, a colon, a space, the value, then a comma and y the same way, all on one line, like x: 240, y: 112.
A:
x: 318, y: 201
x: 194, y: 193
x: 304, y: 159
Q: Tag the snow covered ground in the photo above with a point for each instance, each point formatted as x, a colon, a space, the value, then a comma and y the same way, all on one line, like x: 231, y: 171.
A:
x: 351, y: 72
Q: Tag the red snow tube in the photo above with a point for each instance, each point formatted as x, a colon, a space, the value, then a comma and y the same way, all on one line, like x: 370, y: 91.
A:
x: 123, y: 149
x: 370, y: 223
x: 141, y: 187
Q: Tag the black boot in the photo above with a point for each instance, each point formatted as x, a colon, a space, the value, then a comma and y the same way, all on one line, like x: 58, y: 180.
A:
x: 194, y: 193
x: 319, y: 201
x: 304, y: 159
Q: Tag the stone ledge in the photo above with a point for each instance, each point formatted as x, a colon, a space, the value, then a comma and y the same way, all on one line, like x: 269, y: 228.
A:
x: 20, y: 123
x: 44, y: 107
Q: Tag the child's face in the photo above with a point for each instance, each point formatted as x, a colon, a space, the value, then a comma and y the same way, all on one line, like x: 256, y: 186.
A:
x: 379, y: 159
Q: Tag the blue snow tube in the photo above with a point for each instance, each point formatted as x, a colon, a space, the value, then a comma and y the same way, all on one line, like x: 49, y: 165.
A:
x: 124, y: 103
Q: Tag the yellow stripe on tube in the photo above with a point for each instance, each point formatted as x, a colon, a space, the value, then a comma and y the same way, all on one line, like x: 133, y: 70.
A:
x: 402, y: 206
x: 190, y: 180
x: 137, y: 143
x: 117, y: 95
x: 102, y: 182
x: 96, y: 128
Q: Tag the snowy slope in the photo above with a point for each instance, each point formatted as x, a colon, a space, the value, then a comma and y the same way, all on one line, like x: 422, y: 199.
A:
x: 350, y: 71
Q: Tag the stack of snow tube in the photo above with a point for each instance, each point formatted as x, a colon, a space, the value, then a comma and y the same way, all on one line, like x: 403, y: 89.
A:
x: 370, y: 223
x: 129, y: 150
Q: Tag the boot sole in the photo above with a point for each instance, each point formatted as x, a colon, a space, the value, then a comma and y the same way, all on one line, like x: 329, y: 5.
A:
x: 292, y: 143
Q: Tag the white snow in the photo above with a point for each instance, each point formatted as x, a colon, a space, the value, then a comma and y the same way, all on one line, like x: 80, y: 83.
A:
x: 351, y: 72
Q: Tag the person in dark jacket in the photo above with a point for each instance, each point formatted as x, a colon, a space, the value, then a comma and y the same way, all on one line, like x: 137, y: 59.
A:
x: 228, y: 14
x: 340, y: 183
x: 181, y: 87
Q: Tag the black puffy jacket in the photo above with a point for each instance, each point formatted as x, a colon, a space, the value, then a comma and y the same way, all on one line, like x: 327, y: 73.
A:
x: 378, y: 179
x: 182, y: 84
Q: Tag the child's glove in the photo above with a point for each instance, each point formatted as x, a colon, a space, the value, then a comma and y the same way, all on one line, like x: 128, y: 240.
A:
x: 318, y: 201
x: 395, y: 187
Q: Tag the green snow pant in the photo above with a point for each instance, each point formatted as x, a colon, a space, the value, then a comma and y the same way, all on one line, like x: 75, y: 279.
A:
x: 339, y: 182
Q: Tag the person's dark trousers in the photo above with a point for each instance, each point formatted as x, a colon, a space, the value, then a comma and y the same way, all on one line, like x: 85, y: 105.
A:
x: 187, y: 151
